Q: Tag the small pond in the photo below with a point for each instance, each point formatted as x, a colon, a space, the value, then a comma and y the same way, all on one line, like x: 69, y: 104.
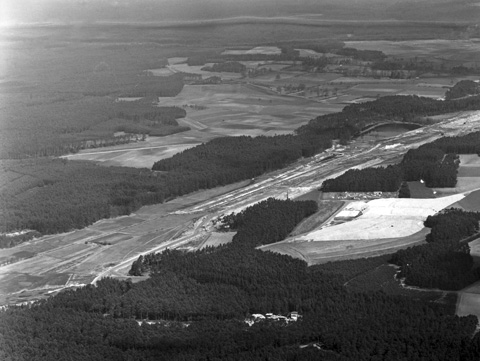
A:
x: 387, y: 131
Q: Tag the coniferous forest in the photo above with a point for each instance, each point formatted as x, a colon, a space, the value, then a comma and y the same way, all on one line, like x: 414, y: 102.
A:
x: 445, y: 261
x: 436, y: 163
x: 462, y: 89
x: 198, y: 313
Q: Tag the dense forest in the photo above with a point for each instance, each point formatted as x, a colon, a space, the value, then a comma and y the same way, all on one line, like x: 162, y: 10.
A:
x: 379, y: 179
x: 198, y: 312
x: 435, y: 163
x: 237, y: 158
x: 355, y: 117
x: 73, y: 122
x: 444, y: 262
x: 463, y: 88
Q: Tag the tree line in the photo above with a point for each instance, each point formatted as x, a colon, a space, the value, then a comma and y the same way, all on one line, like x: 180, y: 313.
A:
x: 444, y: 262
x: 436, y: 163
x: 355, y: 117
x: 462, y: 89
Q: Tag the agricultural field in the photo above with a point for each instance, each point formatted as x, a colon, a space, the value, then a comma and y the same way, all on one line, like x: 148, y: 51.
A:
x: 249, y: 109
x: 268, y: 50
x: 267, y: 103
x: 468, y: 180
x: 213, y: 111
x: 419, y: 190
x: 469, y: 165
x: 399, y: 88
x: 471, y: 202
x: 468, y: 302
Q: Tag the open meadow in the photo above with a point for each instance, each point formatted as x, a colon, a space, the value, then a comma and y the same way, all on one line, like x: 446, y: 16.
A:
x: 468, y: 180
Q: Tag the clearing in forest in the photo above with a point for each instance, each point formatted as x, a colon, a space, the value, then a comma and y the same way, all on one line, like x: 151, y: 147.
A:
x: 330, y: 251
x: 384, y: 218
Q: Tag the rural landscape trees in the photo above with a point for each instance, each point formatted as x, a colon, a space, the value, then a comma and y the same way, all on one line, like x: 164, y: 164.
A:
x: 445, y: 262
x: 102, y: 192
x: 355, y: 117
x: 198, y: 312
x: 463, y: 88
x: 87, y: 84
x: 435, y: 163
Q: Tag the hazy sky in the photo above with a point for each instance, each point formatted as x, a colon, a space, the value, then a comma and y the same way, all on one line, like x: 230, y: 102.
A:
x: 72, y: 11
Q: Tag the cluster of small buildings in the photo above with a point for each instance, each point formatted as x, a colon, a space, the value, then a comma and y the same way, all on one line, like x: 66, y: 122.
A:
x: 360, y: 195
x: 258, y: 317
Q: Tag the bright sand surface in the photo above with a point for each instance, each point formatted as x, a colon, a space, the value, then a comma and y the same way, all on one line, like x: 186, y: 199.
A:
x: 384, y: 218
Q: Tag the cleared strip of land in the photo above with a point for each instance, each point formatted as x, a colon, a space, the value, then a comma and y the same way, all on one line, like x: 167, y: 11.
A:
x: 217, y: 238
x: 384, y: 218
x: 329, y: 251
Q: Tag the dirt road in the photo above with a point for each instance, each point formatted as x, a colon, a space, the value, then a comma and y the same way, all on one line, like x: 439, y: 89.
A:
x: 185, y: 219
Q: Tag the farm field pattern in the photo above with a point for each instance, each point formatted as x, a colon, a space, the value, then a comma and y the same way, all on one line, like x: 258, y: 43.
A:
x: 108, y: 247
x: 255, y: 106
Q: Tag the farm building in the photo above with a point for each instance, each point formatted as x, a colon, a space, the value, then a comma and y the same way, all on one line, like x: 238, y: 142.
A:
x: 351, y: 211
x: 293, y: 315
